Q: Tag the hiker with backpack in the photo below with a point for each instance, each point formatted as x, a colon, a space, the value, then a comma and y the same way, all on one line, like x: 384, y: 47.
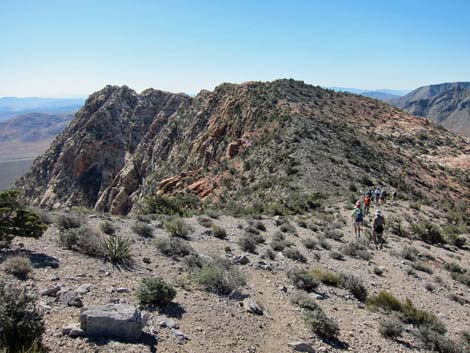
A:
x: 377, y: 194
x: 378, y: 226
x: 357, y: 216
x: 383, y: 196
x: 366, y: 204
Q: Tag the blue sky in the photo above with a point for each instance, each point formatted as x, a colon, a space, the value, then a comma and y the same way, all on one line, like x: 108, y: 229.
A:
x: 72, y: 48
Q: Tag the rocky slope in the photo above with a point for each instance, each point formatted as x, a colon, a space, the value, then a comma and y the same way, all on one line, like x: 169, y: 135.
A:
x: 447, y: 104
x: 253, y: 144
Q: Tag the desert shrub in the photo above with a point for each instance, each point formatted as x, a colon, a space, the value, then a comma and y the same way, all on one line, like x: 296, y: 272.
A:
x: 303, y: 300
x: 355, y: 285
x: 395, y: 225
x: 326, y: 277
x: 419, y: 266
x: 410, y: 271
x: 252, y: 230
x: 117, y: 249
x: 177, y: 228
x: 228, y: 249
x: 427, y: 232
x: 21, y: 323
x: 107, y: 228
x: 333, y: 234
x: 247, y: 243
x: 65, y: 222
x: 310, y: 243
x: 173, y: 247
x: 463, y: 278
x: 287, y: 228
x: 454, y: 267
x: 409, y: 253
x: 437, y: 342
x: 302, y: 224
x: 278, y: 236
x: 294, y: 254
x: 385, y: 301
x: 257, y: 238
x: 352, y: 187
x: 459, y: 299
x: 218, y: 232
x: 259, y: 225
x: 278, y: 245
x: 18, y: 266
x: 429, y: 287
x: 83, y: 240
x: 336, y: 255
x: 303, y: 279
x: 17, y: 220
x: 180, y: 205
x: 219, y: 277
x: 44, y: 215
x: 213, y: 214
x: 194, y: 261
x: 322, y: 325
x: 143, y: 230
x: 155, y: 291
x: 391, y: 328
x: 356, y: 248
x: 205, y: 222
x: 324, y: 243
x: 269, y: 254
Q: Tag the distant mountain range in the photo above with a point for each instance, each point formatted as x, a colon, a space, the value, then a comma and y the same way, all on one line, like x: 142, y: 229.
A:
x: 381, y: 94
x: 12, y: 106
x: 447, y: 104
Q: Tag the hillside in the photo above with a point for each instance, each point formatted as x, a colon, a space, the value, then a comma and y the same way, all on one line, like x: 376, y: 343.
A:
x: 447, y: 104
x: 254, y: 144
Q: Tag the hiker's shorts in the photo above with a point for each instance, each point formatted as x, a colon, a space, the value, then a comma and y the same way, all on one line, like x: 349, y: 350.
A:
x: 357, y: 223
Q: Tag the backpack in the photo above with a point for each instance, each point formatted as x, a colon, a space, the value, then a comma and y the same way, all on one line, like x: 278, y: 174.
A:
x: 359, y: 215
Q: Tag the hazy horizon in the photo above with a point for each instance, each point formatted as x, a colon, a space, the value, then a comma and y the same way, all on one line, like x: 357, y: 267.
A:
x: 71, y: 49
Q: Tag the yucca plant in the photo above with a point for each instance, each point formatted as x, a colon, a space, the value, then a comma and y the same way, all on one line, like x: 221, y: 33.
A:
x: 117, y: 248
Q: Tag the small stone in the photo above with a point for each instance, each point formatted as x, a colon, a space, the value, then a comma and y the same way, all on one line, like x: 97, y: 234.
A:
x: 73, y: 331
x: 237, y: 295
x: 252, y: 306
x: 51, y: 291
x: 301, y: 347
x: 122, y: 290
x: 146, y: 260
x: 84, y: 288
x: 180, y: 336
x: 71, y: 298
x: 169, y: 324
x: 241, y: 259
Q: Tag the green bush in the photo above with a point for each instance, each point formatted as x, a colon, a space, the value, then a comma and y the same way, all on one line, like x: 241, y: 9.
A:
x: 303, y: 279
x: 117, y: 249
x: 247, y: 243
x: 391, y: 328
x: 143, y: 230
x: 205, y: 222
x: 384, y: 300
x: 437, y: 342
x: 409, y: 253
x: 428, y: 232
x: 21, y: 323
x: 155, y: 291
x: 219, y: 277
x: 336, y: 255
x: 419, y: 266
x: 180, y: 205
x: 463, y: 278
x: 17, y: 220
x: 326, y: 277
x: 322, y: 325
x: 294, y: 254
x: 278, y: 245
x: 18, y: 266
x: 107, y: 228
x: 355, y: 285
x: 310, y: 243
x: 177, y: 228
x: 218, y: 232
x: 287, y: 228
x: 454, y: 267
x: 173, y: 247
x: 356, y: 248
x: 82, y: 240
x: 65, y: 222
x: 303, y: 300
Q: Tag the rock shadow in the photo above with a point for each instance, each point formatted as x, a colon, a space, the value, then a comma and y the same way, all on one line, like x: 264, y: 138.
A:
x: 38, y: 260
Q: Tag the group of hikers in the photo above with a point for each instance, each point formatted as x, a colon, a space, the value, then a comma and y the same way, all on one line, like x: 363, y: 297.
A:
x: 362, y: 209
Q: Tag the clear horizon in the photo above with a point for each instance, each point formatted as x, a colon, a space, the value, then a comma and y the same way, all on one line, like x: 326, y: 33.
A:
x: 71, y: 49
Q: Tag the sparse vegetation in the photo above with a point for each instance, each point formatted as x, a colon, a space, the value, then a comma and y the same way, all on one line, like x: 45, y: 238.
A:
x: 181, y: 204
x: 220, y: 277
x: 310, y: 243
x: 107, y: 228
x: 391, y: 328
x: 218, y: 232
x: 355, y: 285
x: 427, y: 232
x: 176, y: 227
x: 326, y: 277
x: 356, y: 248
x: 82, y: 240
x: 294, y: 254
x: 303, y: 279
x: 65, y: 222
x: 143, y: 230
x: 155, y: 291
x: 18, y: 266
x: 205, y: 222
x: 21, y: 323
x: 173, y: 247
x: 321, y: 324
x: 247, y: 243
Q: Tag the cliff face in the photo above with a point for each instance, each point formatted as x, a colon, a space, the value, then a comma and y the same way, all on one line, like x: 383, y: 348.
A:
x: 447, y: 104
x: 241, y: 144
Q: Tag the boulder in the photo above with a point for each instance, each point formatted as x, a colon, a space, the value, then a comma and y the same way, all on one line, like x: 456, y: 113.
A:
x: 241, y: 259
x: 120, y: 321
x: 301, y: 347
x: 73, y: 331
x: 51, y: 291
x: 252, y: 306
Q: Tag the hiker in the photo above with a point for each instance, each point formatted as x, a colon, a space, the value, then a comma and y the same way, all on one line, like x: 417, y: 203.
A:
x: 378, y: 225
x: 394, y: 195
x: 377, y: 194
x: 383, y: 196
x: 357, y: 217
x: 366, y: 204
